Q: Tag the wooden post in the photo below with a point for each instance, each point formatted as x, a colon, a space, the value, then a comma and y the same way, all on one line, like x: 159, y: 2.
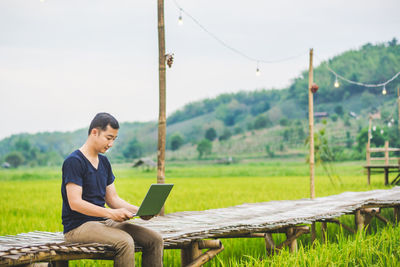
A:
x: 398, y: 105
x: 359, y: 220
x: 313, y: 232
x: 269, y: 244
x: 324, y: 227
x: 386, y: 152
x: 189, y: 254
x: 368, y: 151
x: 162, y: 98
x: 59, y: 264
x: 369, y: 141
x: 311, y: 124
x: 205, y: 257
x: 293, y: 244
x: 396, y: 213
x: 386, y: 171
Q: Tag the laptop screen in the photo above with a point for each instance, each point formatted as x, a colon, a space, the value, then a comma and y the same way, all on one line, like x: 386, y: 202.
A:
x: 154, y: 199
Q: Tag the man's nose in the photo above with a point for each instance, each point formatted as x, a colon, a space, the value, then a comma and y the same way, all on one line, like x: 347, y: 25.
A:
x: 111, y: 143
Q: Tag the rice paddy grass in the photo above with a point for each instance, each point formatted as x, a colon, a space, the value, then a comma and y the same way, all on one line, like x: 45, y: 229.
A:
x: 30, y: 200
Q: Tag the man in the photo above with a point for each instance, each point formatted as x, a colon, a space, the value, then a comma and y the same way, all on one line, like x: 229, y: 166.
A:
x: 87, y: 185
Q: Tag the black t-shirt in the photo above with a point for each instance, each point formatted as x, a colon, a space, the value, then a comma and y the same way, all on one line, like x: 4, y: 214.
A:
x: 77, y: 169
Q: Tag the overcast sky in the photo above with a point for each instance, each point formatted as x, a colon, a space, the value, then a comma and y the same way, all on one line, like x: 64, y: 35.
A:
x: 61, y: 61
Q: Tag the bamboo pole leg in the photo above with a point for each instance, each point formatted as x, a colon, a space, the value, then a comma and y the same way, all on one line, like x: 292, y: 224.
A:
x: 323, y: 231
x: 293, y: 244
x: 396, y: 213
x: 207, y: 244
x: 386, y: 176
x: 367, y: 221
x: 381, y: 218
x: 269, y: 244
x: 58, y: 264
x: 386, y: 152
x: 359, y: 220
x: 189, y: 254
x: 369, y: 176
x: 291, y: 241
x: 205, y: 257
x: 37, y: 264
x: 313, y: 232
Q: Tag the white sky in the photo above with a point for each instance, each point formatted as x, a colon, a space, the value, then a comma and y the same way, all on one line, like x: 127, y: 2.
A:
x: 61, y: 61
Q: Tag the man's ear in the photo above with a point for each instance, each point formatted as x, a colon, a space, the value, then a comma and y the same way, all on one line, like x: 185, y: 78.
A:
x: 94, y: 132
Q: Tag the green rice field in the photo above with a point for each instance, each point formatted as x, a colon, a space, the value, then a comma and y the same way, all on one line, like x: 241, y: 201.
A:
x: 30, y: 199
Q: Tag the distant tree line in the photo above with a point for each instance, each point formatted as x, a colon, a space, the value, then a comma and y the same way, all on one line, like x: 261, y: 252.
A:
x: 202, y: 123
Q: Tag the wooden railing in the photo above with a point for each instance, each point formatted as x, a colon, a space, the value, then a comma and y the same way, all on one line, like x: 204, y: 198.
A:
x: 386, y: 150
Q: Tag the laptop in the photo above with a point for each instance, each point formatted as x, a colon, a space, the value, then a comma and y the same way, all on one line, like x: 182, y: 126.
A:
x: 154, y: 200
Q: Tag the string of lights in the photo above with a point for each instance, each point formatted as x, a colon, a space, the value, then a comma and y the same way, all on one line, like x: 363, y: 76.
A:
x: 383, y: 85
x: 258, y: 60
x: 369, y: 85
x: 226, y: 45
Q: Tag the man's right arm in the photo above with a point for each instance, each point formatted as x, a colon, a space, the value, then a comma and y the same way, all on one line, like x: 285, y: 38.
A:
x: 76, y: 203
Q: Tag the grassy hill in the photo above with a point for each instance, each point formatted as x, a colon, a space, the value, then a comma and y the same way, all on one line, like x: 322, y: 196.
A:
x: 254, y: 124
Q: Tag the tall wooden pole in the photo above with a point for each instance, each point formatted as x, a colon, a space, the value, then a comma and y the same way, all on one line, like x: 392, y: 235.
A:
x: 369, y: 141
x: 311, y: 124
x: 162, y: 85
x: 398, y: 106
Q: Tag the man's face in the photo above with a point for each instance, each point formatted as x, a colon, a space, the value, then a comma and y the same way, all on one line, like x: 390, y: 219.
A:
x: 104, y: 139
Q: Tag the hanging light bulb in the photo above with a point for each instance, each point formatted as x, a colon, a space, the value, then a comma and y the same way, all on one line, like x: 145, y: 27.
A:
x: 384, y: 90
x: 382, y: 131
x: 392, y: 120
x: 336, y: 84
x: 180, y: 20
x: 374, y: 128
x: 258, y: 72
x: 389, y: 124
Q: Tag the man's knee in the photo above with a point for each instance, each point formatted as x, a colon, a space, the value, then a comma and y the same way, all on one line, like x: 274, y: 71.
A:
x: 125, y: 243
x: 157, y: 240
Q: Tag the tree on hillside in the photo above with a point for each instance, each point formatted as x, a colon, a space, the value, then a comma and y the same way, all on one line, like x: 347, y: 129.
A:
x: 231, y: 113
x: 211, y: 134
x: 238, y: 130
x: 270, y: 152
x: 377, y: 140
x: 14, y: 158
x: 22, y: 144
x: 261, y: 121
x: 176, y: 141
x: 133, y: 149
x: 226, y: 134
x: 349, y: 140
x: 204, y: 147
x: 339, y: 110
x: 286, y: 135
x: 284, y: 121
x: 393, y: 42
x: 260, y: 107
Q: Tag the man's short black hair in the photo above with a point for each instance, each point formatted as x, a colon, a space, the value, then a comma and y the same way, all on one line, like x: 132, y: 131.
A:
x: 101, y: 120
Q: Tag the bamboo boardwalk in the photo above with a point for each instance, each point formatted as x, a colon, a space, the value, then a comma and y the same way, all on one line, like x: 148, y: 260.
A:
x: 188, y: 230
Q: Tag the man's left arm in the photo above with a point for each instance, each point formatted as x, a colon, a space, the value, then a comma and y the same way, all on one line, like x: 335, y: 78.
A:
x: 115, y: 202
